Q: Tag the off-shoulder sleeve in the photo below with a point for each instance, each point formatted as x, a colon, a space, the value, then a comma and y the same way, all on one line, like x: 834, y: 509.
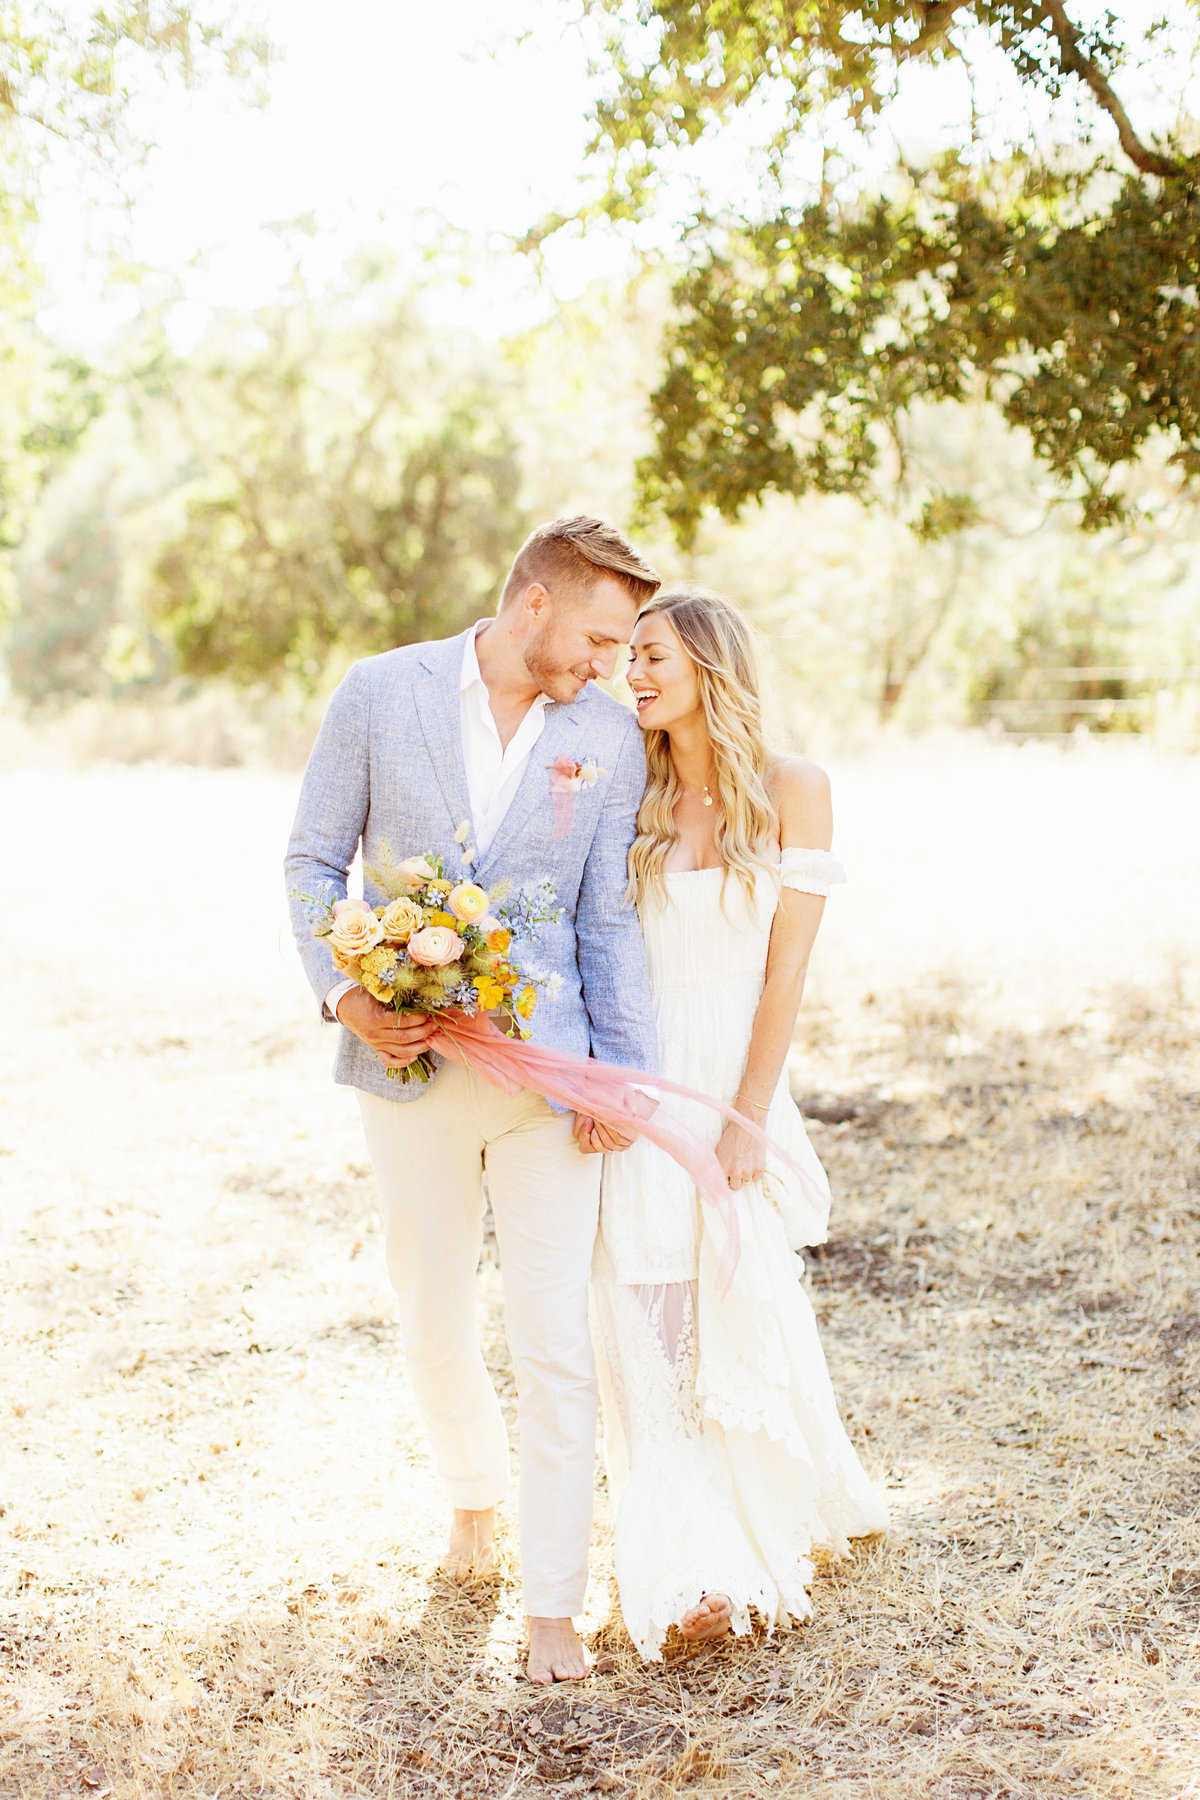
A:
x: 810, y: 871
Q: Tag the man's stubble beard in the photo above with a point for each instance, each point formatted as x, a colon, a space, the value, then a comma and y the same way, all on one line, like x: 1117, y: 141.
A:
x: 550, y: 675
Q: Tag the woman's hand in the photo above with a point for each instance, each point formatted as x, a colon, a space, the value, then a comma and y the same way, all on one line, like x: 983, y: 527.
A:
x: 742, y: 1156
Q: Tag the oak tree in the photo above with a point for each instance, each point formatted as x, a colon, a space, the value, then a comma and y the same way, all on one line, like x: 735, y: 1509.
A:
x: 1063, y: 286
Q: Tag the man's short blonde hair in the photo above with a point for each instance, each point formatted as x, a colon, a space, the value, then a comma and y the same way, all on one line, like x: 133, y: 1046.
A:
x: 568, y: 556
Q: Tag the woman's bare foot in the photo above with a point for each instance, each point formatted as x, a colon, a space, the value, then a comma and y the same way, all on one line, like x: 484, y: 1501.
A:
x: 471, y: 1552
x: 711, y: 1618
x: 556, y: 1652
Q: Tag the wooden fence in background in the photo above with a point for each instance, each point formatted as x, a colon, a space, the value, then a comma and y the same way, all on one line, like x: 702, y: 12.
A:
x: 1160, y: 703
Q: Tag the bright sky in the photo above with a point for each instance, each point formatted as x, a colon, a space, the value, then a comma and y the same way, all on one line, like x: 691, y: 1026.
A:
x: 385, y: 118
x: 389, y: 119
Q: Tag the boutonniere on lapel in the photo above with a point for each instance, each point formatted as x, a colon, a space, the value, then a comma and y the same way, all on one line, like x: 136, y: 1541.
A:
x: 568, y: 778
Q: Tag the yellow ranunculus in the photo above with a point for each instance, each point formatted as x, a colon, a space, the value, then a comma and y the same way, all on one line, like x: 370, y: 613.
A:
x: 499, y: 940
x: 490, y: 993
x: 525, y: 1002
x: 468, y: 902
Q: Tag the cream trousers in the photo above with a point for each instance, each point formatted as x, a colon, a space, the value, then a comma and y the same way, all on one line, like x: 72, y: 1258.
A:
x: 430, y: 1157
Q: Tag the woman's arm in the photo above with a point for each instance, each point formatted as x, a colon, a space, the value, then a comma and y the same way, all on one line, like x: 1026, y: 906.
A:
x: 800, y: 791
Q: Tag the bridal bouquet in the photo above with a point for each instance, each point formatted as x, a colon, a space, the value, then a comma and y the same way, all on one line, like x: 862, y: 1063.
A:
x: 438, y: 946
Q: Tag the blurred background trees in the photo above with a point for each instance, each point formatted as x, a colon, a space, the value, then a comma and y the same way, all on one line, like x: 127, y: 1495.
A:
x: 317, y: 480
x: 349, y: 482
x: 934, y: 421
x: 68, y: 79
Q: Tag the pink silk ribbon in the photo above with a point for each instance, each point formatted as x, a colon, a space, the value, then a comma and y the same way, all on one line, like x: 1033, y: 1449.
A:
x: 603, y: 1091
x: 564, y: 782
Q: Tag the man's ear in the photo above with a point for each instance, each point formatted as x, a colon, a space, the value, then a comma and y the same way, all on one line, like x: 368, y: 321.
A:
x: 535, y: 600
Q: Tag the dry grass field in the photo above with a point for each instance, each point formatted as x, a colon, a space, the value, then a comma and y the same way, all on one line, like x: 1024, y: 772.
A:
x: 218, y: 1529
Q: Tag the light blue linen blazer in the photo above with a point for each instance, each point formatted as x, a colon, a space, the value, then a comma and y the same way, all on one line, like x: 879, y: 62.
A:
x: 387, y: 768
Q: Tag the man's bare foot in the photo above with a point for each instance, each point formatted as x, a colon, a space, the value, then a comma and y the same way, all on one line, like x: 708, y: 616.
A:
x: 556, y: 1652
x: 711, y: 1618
x: 471, y: 1552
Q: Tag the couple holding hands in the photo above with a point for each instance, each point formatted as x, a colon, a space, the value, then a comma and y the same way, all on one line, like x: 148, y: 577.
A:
x: 692, y: 868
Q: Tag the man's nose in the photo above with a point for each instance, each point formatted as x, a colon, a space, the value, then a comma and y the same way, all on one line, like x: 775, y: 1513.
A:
x: 604, y: 664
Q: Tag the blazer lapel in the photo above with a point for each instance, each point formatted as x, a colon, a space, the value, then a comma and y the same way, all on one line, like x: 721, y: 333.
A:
x: 533, y: 791
x: 435, y: 696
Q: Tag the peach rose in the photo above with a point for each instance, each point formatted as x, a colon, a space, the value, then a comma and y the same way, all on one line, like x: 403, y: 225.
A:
x: 415, y: 871
x: 400, y: 919
x: 468, y: 902
x: 341, y: 906
x: 436, y: 945
x: 355, y: 931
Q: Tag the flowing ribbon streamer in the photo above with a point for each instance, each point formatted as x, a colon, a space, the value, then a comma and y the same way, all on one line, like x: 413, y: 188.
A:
x: 603, y: 1091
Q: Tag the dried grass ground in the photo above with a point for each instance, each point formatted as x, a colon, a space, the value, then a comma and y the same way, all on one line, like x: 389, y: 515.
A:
x: 218, y: 1526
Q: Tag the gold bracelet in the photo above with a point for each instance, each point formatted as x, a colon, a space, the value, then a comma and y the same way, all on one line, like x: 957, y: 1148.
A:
x: 755, y: 1103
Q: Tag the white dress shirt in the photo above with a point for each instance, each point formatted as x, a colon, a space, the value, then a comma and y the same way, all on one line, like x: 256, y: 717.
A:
x: 493, y: 769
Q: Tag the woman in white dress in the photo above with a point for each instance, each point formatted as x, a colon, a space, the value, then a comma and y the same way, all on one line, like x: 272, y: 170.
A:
x: 727, y: 1461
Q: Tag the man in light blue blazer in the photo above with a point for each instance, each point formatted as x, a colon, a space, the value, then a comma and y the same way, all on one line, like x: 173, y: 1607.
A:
x: 450, y: 748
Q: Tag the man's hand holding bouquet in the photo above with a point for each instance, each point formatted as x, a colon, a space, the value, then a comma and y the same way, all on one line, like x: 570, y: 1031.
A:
x: 435, y: 947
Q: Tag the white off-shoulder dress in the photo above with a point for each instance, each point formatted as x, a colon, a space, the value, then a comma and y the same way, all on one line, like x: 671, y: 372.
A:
x: 727, y: 1461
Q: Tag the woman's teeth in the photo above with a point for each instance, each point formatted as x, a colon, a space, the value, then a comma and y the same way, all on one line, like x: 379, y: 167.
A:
x: 644, y: 700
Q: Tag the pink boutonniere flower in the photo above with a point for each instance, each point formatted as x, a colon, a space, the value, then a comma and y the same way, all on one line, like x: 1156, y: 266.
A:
x: 567, y: 778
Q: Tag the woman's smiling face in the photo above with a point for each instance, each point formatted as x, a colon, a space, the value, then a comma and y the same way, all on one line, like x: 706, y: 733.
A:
x: 662, y: 675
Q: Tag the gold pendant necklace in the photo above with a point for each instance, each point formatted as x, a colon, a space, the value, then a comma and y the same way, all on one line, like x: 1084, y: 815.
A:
x: 704, y: 792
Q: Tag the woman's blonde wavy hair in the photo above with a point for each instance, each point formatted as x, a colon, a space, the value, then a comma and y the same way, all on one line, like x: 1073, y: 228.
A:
x: 718, y: 641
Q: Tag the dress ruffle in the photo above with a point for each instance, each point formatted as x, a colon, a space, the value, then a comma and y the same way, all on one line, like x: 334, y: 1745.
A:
x: 810, y: 871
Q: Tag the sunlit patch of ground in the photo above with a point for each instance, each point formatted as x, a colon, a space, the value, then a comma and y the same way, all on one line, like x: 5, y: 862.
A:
x: 219, y: 1531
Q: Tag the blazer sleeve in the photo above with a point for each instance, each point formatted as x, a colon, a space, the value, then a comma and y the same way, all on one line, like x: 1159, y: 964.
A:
x: 330, y: 817
x: 608, y: 937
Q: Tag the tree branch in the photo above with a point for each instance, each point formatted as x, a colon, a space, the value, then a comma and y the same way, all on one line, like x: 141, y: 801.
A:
x: 1074, y: 62
x: 938, y: 16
